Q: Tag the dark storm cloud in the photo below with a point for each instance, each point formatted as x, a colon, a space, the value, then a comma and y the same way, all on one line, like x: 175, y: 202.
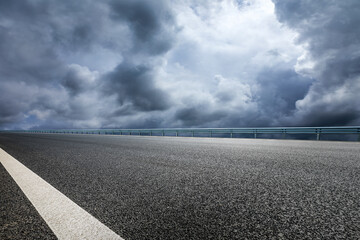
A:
x: 10, y: 111
x: 330, y: 29
x: 278, y: 92
x: 266, y: 101
x: 30, y: 67
x: 23, y: 10
x: 151, y: 22
x: 27, y: 60
x: 330, y: 117
x: 73, y: 83
x: 324, y: 24
x: 51, y: 51
x: 134, y: 85
x: 78, y: 80
x: 153, y: 30
x: 198, y: 116
x: 37, y: 37
x: 25, y: 57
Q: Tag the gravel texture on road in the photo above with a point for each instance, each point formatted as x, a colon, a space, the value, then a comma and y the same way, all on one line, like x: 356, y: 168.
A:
x: 202, y: 188
x: 18, y: 218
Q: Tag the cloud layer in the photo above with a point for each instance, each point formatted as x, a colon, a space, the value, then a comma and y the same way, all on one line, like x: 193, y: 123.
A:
x: 142, y: 64
x: 329, y: 30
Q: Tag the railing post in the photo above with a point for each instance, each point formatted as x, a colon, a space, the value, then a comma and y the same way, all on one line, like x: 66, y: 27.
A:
x: 318, y: 134
x: 210, y: 133
x: 255, y: 134
x: 177, y: 133
x: 163, y: 133
x: 231, y: 135
x: 192, y: 133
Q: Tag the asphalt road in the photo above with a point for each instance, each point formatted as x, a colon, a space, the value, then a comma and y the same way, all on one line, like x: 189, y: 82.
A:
x: 201, y: 188
x: 18, y: 218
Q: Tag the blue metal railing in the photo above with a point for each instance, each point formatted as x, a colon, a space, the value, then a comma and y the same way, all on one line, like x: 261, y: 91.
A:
x: 318, y: 131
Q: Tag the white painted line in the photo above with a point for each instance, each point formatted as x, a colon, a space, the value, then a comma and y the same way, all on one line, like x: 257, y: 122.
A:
x: 65, y: 218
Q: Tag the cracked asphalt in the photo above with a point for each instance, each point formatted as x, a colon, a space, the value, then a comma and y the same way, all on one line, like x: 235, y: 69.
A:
x: 201, y: 188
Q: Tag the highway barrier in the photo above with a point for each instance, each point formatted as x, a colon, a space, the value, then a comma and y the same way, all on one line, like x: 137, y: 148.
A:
x: 212, y: 132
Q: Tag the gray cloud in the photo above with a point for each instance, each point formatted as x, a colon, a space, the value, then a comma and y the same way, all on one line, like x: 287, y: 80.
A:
x: 147, y: 63
x: 26, y: 57
x: 134, y: 85
x: 278, y: 92
x: 39, y: 41
x: 198, y: 116
x: 330, y: 30
x: 133, y: 81
x: 10, y: 110
x: 151, y: 23
x: 79, y: 79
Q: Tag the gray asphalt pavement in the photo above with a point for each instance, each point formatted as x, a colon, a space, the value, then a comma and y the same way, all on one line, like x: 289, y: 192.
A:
x: 18, y: 218
x: 201, y: 188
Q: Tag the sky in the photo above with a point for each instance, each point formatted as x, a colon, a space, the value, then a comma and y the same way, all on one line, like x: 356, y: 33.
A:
x: 179, y: 63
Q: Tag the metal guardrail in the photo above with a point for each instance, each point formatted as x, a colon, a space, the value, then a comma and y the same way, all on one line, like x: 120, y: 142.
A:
x: 211, y: 132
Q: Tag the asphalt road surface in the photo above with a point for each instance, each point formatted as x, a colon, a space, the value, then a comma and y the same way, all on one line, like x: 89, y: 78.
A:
x: 192, y: 188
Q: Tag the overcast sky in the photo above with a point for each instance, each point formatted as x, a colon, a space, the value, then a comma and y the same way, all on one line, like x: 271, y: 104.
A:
x: 179, y: 63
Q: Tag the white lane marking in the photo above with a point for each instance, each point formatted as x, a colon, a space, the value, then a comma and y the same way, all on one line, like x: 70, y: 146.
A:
x: 65, y: 218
